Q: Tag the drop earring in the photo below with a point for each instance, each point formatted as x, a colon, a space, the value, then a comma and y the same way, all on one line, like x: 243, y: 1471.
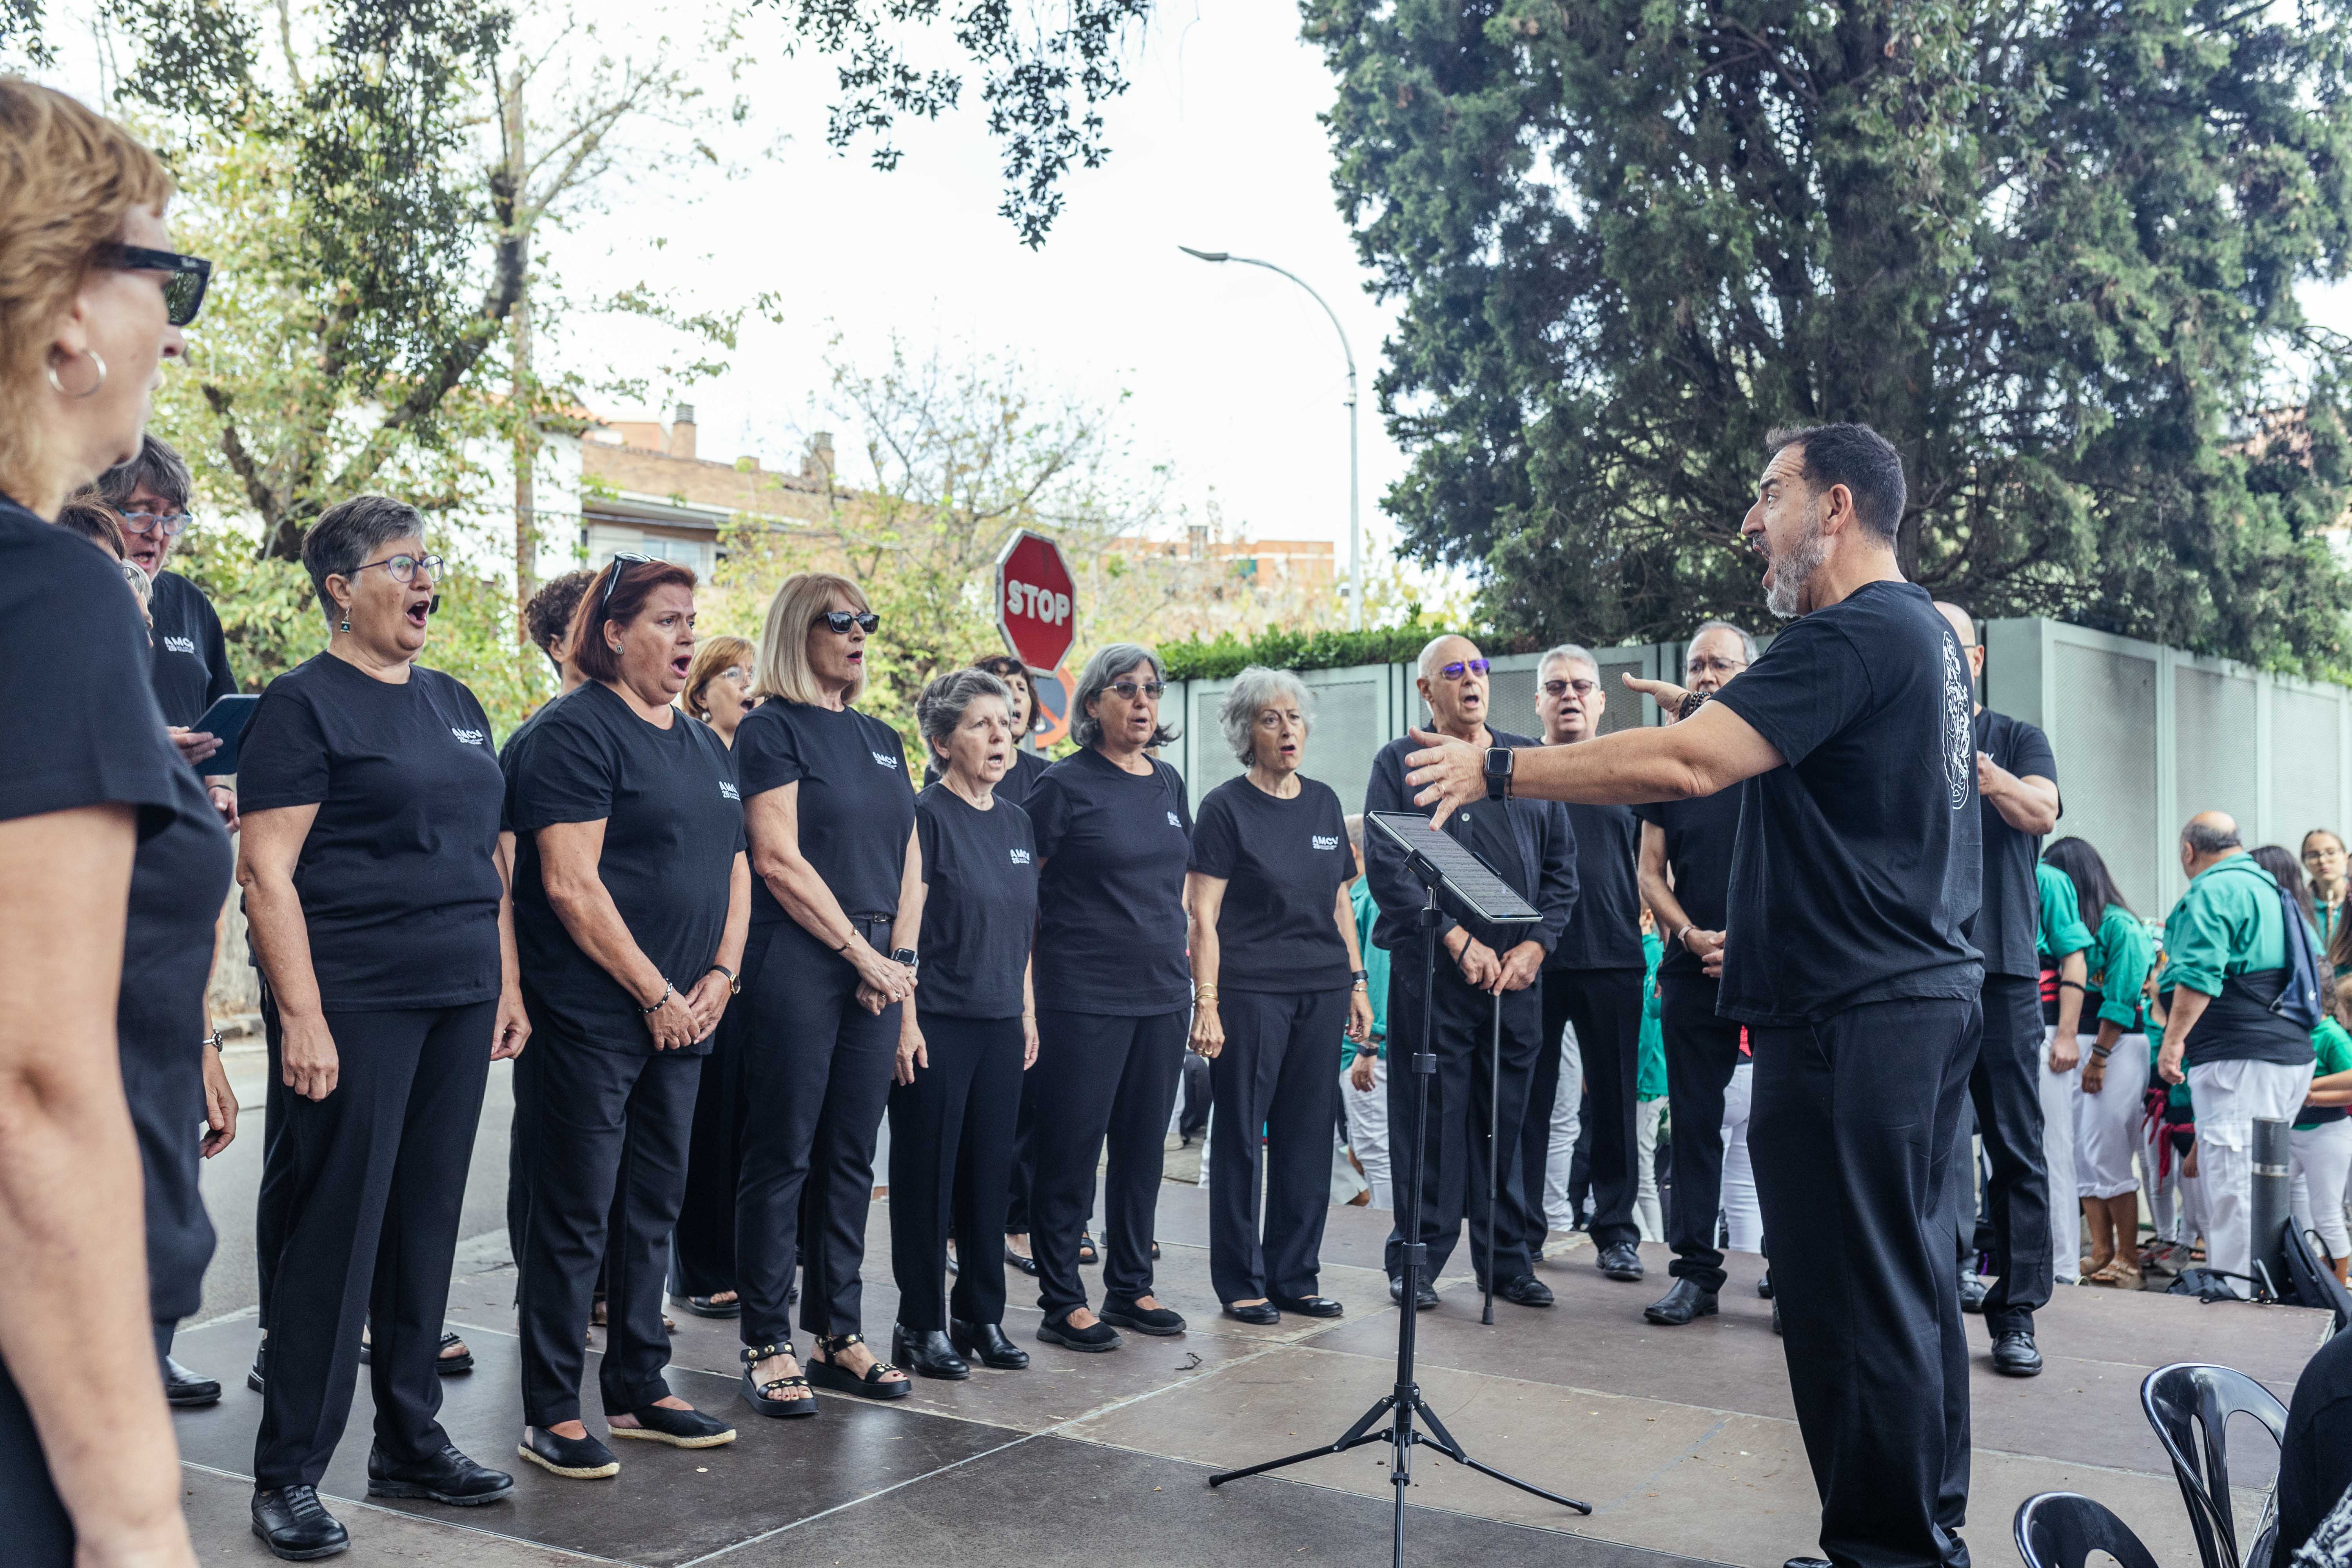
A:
x: 346, y: 624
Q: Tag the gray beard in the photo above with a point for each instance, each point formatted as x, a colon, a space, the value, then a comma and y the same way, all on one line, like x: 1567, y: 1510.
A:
x: 1791, y: 572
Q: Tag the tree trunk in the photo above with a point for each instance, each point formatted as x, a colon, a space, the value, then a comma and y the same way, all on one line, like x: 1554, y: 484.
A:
x: 525, y: 399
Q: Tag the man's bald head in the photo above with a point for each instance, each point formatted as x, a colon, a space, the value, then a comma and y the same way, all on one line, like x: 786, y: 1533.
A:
x: 2212, y: 833
x: 1457, y: 703
x: 1443, y: 649
x: 1963, y: 627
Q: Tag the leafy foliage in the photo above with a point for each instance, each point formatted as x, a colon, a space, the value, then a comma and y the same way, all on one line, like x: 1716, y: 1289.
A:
x: 2050, y: 250
x: 1224, y: 655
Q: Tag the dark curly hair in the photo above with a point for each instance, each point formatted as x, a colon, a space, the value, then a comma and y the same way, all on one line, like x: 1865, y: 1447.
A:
x: 548, y: 616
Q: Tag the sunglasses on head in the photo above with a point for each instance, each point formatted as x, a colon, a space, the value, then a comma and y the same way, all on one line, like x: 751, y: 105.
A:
x: 622, y: 560
x: 184, y: 290
x: 842, y: 620
x: 1462, y: 667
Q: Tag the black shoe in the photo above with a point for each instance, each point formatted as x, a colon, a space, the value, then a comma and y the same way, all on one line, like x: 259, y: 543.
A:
x: 447, y: 1365
x: 678, y: 1429
x: 1155, y: 1321
x: 1974, y: 1288
x: 1764, y: 1286
x: 926, y: 1352
x: 1620, y: 1260
x: 1309, y: 1306
x: 255, y: 1373
x: 447, y: 1477
x: 764, y: 1396
x: 187, y: 1390
x: 580, y: 1458
x: 1680, y: 1304
x: 1423, y: 1299
x: 1526, y: 1290
x: 1776, y: 1316
x: 1097, y: 1338
x: 987, y: 1342
x: 1262, y: 1313
x: 873, y: 1383
x: 1088, y: 1253
x: 1806, y: 1562
x: 2014, y: 1355
x: 1026, y: 1264
x: 704, y: 1307
x: 295, y: 1525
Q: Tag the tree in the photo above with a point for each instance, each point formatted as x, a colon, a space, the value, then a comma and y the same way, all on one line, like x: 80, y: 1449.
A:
x: 2049, y: 249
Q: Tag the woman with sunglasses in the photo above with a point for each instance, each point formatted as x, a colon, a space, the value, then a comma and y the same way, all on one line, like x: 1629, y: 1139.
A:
x: 1114, y: 836
x: 106, y: 843
x: 632, y: 897
x: 377, y: 902
x: 837, y: 896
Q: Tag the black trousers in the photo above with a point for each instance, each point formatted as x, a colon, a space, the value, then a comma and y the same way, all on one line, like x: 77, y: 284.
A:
x: 1605, y: 1005
x: 1100, y: 1078
x: 818, y: 1069
x: 39, y: 1533
x: 371, y: 1182
x: 608, y: 1177
x: 2006, y: 1087
x: 1851, y: 1135
x: 1452, y: 1168
x: 702, y: 1259
x: 1276, y: 1090
x: 952, y: 1167
x: 1702, y: 1050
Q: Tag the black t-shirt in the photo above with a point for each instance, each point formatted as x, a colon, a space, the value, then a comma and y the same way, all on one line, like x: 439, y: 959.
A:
x: 2316, y: 1457
x: 1019, y: 779
x: 399, y: 875
x: 1111, y: 936
x: 506, y: 753
x: 855, y: 806
x: 1284, y: 862
x: 673, y: 826
x: 2010, y: 916
x: 980, y: 905
x: 74, y: 672
x: 1605, y: 931
x: 1700, y: 835
x: 191, y: 656
x: 1859, y: 863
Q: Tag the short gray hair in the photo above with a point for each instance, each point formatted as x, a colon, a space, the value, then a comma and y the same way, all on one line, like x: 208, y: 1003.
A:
x: 1254, y: 690
x: 1567, y: 652
x: 155, y: 466
x: 347, y: 533
x: 1747, y: 643
x: 1108, y: 663
x: 944, y: 701
x: 2205, y: 838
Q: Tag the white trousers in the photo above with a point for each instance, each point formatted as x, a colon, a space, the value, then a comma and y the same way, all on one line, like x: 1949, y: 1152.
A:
x: 2176, y: 1201
x: 1743, y: 1217
x: 2228, y: 1098
x: 1647, y: 1214
x: 2107, y: 1124
x: 2323, y: 1166
x: 1368, y: 1130
x: 2060, y: 1090
x: 1559, y: 1153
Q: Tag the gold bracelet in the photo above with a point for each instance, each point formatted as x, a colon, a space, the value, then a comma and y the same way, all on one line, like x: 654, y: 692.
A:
x: 1204, y: 993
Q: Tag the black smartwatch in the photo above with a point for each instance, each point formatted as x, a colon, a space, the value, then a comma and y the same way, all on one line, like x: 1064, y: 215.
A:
x: 905, y: 955
x: 1498, y: 773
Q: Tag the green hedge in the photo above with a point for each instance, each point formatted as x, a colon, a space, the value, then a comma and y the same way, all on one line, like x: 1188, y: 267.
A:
x: 1227, y: 655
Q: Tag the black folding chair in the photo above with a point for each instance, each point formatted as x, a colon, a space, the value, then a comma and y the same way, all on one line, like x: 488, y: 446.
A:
x: 2061, y: 1529
x: 2190, y: 1405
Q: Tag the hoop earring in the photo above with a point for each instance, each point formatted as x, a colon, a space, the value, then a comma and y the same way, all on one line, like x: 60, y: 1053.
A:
x: 61, y: 386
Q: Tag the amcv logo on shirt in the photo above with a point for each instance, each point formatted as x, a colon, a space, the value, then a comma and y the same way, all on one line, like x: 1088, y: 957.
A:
x: 1326, y: 841
x: 1960, y: 732
x: 468, y: 737
x: 181, y: 645
x: 885, y: 760
x: 1021, y: 857
x: 1173, y: 821
x: 728, y: 791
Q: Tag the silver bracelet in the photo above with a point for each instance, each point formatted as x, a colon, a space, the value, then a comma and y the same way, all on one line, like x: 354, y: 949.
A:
x: 667, y: 991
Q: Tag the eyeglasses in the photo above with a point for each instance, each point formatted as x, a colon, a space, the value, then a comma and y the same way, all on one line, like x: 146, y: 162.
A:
x: 1716, y: 666
x: 143, y: 523
x: 1462, y: 667
x: 736, y: 673
x: 1128, y: 689
x: 622, y: 560
x: 842, y: 620
x: 403, y: 568
x: 1583, y: 688
x: 183, y: 292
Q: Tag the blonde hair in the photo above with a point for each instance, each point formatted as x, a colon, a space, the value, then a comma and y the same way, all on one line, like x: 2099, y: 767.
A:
x: 792, y: 614
x: 68, y: 176
x: 711, y: 655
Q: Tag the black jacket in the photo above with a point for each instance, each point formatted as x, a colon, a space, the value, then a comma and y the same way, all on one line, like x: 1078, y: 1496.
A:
x: 1545, y: 875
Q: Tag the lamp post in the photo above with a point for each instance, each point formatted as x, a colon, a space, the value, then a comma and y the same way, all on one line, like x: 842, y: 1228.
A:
x: 1355, y: 533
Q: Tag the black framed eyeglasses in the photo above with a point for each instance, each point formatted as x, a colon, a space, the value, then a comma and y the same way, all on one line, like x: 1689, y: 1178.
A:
x: 1128, y: 689
x: 1706, y: 666
x: 1462, y: 667
x: 143, y: 523
x: 1583, y: 688
x: 622, y: 560
x: 183, y: 292
x: 842, y: 620
x: 404, y: 567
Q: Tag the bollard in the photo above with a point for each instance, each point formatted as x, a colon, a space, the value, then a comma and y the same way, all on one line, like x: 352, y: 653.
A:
x: 2270, y: 1208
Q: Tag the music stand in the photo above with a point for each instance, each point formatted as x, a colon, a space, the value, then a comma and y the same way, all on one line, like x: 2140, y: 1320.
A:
x: 1460, y: 883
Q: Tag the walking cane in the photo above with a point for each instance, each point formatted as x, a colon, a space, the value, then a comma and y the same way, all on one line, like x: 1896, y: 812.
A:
x: 1494, y: 1152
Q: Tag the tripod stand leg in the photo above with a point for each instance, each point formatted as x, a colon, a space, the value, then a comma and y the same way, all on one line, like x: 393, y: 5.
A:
x: 1493, y: 1152
x: 1443, y: 1442
x: 1355, y: 1436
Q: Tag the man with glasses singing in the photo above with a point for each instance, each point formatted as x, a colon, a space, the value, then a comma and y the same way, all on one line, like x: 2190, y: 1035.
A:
x: 191, y: 656
x: 1529, y: 843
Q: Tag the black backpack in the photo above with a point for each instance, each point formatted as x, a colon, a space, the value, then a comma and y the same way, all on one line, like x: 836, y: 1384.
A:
x: 2298, y: 1000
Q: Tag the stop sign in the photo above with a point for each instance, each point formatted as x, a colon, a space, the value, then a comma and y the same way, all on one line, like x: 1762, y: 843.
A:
x: 1037, y: 601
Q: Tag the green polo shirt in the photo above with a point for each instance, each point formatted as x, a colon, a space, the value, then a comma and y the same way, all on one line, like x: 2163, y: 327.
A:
x: 2062, y: 932
x: 2334, y: 1048
x: 1650, y: 1081
x: 2120, y: 957
x: 2226, y: 923
x: 1376, y: 968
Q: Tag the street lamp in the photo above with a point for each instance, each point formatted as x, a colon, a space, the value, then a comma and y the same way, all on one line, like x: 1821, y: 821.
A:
x: 1355, y: 533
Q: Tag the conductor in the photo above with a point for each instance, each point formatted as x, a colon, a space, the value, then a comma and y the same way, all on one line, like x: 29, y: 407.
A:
x: 1857, y: 863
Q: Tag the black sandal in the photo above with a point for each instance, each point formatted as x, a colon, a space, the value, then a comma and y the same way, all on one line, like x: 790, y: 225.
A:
x: 876, y: 1383
x: 759, y: 1395
x: 1087, y: 1254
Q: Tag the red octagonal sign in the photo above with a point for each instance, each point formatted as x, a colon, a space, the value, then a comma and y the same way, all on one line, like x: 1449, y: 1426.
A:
x: 1037, y: 601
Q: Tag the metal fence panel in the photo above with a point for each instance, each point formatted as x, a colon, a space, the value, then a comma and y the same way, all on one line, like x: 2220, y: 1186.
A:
x: 2306, y: 763
x: 2216, y: 745
x: 2104, y: 731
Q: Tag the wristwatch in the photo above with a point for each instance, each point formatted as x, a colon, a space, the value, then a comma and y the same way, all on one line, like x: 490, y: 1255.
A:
x: 1498, y: 773
x: 734, y: 981
x: 905, y: 955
